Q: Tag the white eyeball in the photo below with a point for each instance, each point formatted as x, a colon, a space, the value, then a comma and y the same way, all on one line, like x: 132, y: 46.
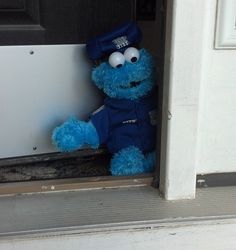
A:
x: 116, y: 59
x: 131, y: 55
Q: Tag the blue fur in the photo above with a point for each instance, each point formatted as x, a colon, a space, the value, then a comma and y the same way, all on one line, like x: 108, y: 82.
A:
x: 149, y: 162
x: 110, y: 79
x: 92, y: 138
x: 128, y: 161
x: 74, y: 134
x: 131, y: 161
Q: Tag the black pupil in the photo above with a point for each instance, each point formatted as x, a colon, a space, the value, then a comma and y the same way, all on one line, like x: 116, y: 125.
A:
x: 134, y: 59
x: 119, y: 65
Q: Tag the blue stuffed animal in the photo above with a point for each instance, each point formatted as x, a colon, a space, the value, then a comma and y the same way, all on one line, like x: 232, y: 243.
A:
x: 126, y: 123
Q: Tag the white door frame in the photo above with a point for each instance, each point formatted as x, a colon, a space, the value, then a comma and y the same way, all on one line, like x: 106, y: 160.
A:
x: 182, y: 77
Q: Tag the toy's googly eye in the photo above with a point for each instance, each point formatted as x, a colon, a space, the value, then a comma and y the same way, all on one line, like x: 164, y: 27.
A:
x: 131, y: 55
x: 116, y: 59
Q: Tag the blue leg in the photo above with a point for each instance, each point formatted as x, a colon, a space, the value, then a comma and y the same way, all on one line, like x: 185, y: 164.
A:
x: 74, y: 134
x: 128, y: 161
x: 131, y: 161
x: 150, y: 162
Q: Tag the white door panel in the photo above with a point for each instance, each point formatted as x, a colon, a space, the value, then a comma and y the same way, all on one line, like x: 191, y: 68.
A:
x: 40, y: 86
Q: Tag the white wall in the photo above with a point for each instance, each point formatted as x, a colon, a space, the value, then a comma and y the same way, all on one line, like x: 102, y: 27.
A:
x: 216, y: 148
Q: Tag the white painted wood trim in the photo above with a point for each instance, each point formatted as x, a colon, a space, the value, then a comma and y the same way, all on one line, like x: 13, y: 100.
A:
x: 183, y: 57
x: 225, y: 37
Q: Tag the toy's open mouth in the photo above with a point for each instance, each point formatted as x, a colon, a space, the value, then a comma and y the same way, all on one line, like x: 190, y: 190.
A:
x: 131, y: 85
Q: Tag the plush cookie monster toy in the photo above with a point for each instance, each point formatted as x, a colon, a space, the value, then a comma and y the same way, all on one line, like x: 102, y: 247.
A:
x: 126, y: 123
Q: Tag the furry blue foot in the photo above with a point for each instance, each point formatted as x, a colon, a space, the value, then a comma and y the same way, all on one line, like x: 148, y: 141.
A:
x: 74, y: 134
x: 128, y: 161
x: 149, y: 162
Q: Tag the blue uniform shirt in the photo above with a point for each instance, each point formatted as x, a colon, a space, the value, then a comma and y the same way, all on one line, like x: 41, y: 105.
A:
x: 121, y: 123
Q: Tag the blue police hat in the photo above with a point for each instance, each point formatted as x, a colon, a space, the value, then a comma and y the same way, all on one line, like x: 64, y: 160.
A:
x: 118, y: 39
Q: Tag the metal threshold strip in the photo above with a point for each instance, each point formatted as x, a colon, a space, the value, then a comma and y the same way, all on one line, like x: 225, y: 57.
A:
x: 90, y: 211
x: 69, y: 184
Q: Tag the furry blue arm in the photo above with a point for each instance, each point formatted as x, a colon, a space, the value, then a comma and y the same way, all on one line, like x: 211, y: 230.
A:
x: 74, y: 134
x: 91, y: 135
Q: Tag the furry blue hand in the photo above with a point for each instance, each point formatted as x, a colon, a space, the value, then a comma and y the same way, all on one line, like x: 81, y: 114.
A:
x: 74, y: 134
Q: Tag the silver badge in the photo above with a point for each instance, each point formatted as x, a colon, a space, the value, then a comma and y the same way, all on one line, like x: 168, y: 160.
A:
x: 121, y: 42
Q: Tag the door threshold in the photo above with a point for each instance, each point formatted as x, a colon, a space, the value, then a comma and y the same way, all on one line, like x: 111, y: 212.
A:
x: 72, y: 184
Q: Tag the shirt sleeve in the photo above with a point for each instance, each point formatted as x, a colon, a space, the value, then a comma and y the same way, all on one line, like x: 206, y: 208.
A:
x: 100, y: 120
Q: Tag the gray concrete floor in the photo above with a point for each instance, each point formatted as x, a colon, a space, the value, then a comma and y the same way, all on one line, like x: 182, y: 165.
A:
x: 50, y: 212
